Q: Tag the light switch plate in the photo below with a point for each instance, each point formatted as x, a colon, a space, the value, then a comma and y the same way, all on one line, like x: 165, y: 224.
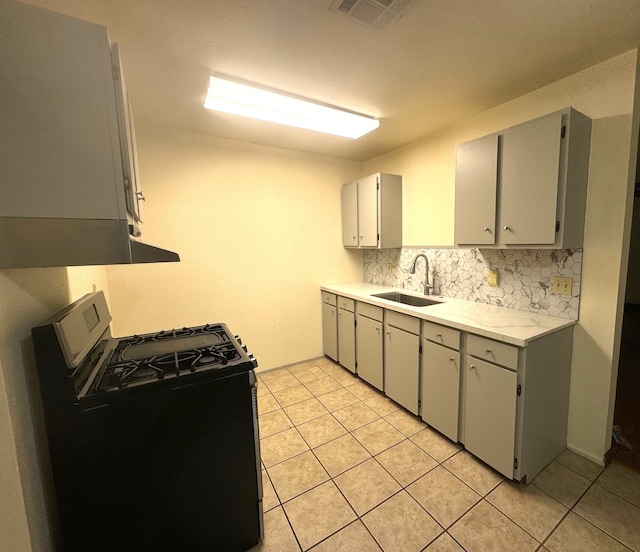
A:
x: 562, y: 285
x: 492, y: 278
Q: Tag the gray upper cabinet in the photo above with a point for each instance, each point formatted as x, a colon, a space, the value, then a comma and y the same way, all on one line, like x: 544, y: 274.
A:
x: 476, y: 191
x: 526, y: 185
x: 69, y: 192
x: 530, y: 165
x: 350, y: 215
x: 372, y: 212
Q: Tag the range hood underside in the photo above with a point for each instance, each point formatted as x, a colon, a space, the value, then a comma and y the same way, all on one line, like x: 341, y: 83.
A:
x: 48, y: 242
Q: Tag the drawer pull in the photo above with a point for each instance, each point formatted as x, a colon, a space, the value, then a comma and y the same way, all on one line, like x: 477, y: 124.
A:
x: 472, y: 366
x: 488, y: 351
x: 439, y: 335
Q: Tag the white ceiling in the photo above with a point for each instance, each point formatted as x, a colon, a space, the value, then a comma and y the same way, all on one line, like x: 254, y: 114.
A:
x: 443, y: 61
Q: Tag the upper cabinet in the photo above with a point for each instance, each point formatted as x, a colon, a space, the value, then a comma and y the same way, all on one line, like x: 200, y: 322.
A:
x: 525, y: 186
x: 476, y: 191
x: 68, y: 162
x: 372, y: 212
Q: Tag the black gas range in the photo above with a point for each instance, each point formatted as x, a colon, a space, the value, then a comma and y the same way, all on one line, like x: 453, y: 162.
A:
x: 153, y: 438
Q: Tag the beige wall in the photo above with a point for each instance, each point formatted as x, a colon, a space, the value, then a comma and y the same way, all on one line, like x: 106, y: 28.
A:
x: 605, y: 93
x: 27, y: 297
x: 258, y: 230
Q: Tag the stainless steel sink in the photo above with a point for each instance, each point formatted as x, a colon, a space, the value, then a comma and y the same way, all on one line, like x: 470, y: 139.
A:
x: 406, y: 299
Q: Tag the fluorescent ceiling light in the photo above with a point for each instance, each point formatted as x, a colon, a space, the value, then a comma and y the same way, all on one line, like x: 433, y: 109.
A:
x: 241, y: 99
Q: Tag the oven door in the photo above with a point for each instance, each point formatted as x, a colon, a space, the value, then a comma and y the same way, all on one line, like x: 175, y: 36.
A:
x: 175, y: 470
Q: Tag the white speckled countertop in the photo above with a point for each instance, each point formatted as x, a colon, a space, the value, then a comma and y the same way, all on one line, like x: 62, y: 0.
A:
x: 511, y: 326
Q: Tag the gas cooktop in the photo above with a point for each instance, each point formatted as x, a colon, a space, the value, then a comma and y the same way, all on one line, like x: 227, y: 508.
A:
x: 149, y: 358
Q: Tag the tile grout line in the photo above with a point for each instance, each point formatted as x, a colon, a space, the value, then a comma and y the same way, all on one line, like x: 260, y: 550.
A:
x: 595, y: 482
x: 331, y: 478
x: 589, y: 521
x: 350, y: 432
x: 405, y: 437
x: 281, y: 504
x: 402, y: 487
x: 372, y: 456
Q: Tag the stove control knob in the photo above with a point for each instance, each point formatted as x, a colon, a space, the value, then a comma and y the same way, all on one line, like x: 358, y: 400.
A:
x: 244, y: 348
x: 253, y: 360
x: 237, y: 338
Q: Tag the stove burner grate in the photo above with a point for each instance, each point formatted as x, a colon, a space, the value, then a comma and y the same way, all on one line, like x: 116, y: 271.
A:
x: 133, y: 340
x: 173, y: 334
x: 140, y: 373
x: 174, y: 362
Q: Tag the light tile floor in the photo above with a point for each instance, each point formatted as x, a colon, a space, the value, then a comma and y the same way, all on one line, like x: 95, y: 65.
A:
x: 346, y: 469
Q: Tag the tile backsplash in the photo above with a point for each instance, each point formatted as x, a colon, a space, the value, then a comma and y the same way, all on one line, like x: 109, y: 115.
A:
x: 525, y: 275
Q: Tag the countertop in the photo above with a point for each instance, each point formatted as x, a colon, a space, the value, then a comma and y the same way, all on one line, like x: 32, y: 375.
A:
x: 508, y: 325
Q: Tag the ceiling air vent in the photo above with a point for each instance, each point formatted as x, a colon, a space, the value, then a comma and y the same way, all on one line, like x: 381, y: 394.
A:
x: 375, y: 14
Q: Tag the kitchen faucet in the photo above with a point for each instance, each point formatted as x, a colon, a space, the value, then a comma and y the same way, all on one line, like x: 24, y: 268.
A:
x: 427, y: 288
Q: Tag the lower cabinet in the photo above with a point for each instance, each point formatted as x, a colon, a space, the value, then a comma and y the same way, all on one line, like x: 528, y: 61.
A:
x: 347, y: 333
x: 329, y: 325
x: 440, y: 388
x: 507, y: 405
x: 516, y: 402
x: 490, y: 409
x: 369, y: 344
x: 402, y: 359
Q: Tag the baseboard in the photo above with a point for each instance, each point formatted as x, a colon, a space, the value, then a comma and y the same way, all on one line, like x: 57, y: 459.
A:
x: 595, y: 459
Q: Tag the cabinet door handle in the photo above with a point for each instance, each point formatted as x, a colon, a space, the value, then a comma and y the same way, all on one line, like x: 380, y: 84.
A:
x: 487, y: 229
x: 488, y: 351
x: 354, y: 238
x: 507, y: 227
x: 472, y: 366
x: 439, y: 335
x: 360, y: 238
x: 452, y: 359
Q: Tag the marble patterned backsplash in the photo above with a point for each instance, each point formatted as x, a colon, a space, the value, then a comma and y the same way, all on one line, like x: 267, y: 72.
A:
x: 525, y: 275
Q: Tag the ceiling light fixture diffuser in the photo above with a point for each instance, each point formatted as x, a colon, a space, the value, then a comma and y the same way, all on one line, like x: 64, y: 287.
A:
x: 248, y: 101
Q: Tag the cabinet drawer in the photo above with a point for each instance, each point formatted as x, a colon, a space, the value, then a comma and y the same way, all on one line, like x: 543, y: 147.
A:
x: 370, y: 311
x: 441, y: 335
x: 329, y: 298
x: 403, y: 321
x: 346, y: 303
x: 493, y: 351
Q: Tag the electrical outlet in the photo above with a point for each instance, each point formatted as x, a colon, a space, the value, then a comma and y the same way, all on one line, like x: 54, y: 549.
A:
x: 562, y: 285
x: 492, y: 278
